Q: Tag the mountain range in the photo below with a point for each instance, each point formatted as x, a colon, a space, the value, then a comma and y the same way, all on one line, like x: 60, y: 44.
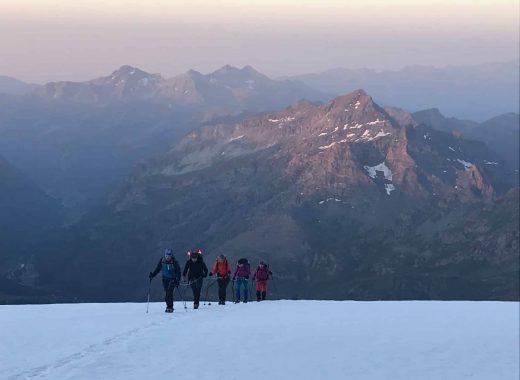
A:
x: 102, y: 127
x: 477, y: 92
x: 343, y: 199
x: 501, y: 133
x: 14, y: 86
x: 225, y: 91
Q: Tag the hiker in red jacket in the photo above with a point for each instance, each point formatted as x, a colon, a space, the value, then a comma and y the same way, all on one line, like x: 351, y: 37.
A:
x: 222, y: 269
x: 261, y: 275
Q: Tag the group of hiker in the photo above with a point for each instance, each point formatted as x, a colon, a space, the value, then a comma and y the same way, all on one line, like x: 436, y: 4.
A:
x: 195, y: 270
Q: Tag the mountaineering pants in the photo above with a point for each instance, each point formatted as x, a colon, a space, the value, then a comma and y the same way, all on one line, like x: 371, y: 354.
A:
x: 242, y: 282
x: 168, y: 286
x: 261, y: 285
x: 222, y: 285
x: 196, y: 287
x: 261, y: 289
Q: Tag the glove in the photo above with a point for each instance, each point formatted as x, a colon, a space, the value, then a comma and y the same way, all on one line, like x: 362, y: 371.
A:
x: 211, y: 274
x: 184, y: 278
x: 234, y: 278
x: 150, y: 275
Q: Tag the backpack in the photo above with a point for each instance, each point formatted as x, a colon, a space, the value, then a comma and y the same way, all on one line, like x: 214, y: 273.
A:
x: 170, y: 269
x: 217, y: 268
x: 247, y: 267
x: 243, y: 261
x: 262, y: 274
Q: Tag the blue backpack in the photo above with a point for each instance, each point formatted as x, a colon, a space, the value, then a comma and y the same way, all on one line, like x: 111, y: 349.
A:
x: 170, y: 269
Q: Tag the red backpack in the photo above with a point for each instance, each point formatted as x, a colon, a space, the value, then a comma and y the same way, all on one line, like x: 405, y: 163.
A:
x: 262, y: 274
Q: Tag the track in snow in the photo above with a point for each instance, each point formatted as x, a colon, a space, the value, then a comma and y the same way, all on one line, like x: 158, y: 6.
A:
x: 274, y: 340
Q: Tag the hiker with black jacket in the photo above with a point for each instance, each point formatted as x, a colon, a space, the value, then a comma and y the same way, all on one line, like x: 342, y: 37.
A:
x: 195, y: 269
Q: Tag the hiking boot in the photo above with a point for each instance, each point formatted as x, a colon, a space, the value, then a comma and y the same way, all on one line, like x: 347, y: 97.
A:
x: 169, y: 310
x: 195, y: 305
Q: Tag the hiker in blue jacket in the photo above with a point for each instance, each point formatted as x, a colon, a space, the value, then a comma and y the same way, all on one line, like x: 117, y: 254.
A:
x: 171, y: 274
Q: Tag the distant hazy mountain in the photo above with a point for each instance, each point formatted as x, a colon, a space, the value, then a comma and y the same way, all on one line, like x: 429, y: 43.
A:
x: 78, y: 140
x: 26, y: 215
x: 501, y: 133
x: 14, y: 86
x: 80, y: 152
x: 225, y: 91
x: 341, y: 198
x: 470, y: 92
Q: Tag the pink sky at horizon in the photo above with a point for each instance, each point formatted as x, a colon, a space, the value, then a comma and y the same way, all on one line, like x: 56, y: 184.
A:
x: 43, y: 40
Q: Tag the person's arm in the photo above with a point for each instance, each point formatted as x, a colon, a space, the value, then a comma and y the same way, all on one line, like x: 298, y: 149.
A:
x: 214, y: 269
x: 204, y: 270
x: 157, y: 269
x: 177, y: 269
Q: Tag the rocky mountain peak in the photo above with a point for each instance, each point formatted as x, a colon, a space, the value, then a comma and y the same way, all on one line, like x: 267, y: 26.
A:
x: 247, y: 74
x: 129, y: 74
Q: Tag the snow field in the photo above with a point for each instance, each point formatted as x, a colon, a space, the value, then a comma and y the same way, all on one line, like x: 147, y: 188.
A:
x: 268, y: 340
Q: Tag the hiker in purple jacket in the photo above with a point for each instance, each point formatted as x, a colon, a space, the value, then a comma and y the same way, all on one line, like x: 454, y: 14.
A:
x: 241, y: 278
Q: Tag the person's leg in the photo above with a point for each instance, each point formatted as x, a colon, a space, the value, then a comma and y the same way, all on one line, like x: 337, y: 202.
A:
x: 193, y: 287
x: 224, y: 289
x: 198, y: 291
x: 258, y: 291
x: 246, y: 290
x: 168, y: 293
x: 238, y: 284
x: 220, y: 283
x: 264, y: 289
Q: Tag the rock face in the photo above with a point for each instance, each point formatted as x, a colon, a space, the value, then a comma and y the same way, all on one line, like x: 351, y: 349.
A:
x: 343, y: 200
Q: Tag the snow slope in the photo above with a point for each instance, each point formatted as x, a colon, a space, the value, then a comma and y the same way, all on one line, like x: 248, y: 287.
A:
x: 270, y: 340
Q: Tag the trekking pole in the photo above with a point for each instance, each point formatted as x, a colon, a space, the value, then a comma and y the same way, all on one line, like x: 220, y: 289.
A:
x: 206, y: 296
x: 182, y: 298
x: 274, y: 284
x: 149, y: 288
x: 251, y: 288
x: 211, y: 282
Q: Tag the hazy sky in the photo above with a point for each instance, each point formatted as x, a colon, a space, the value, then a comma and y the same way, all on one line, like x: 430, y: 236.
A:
x: 43, y: 40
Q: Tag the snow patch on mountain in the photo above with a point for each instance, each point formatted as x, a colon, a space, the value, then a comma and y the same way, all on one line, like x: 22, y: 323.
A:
x: 467, y: 165
x: 327, y: 146
x: 372, y: 171
x: 389, y: 187
x: 236, y: 138
x: 375, y: 122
